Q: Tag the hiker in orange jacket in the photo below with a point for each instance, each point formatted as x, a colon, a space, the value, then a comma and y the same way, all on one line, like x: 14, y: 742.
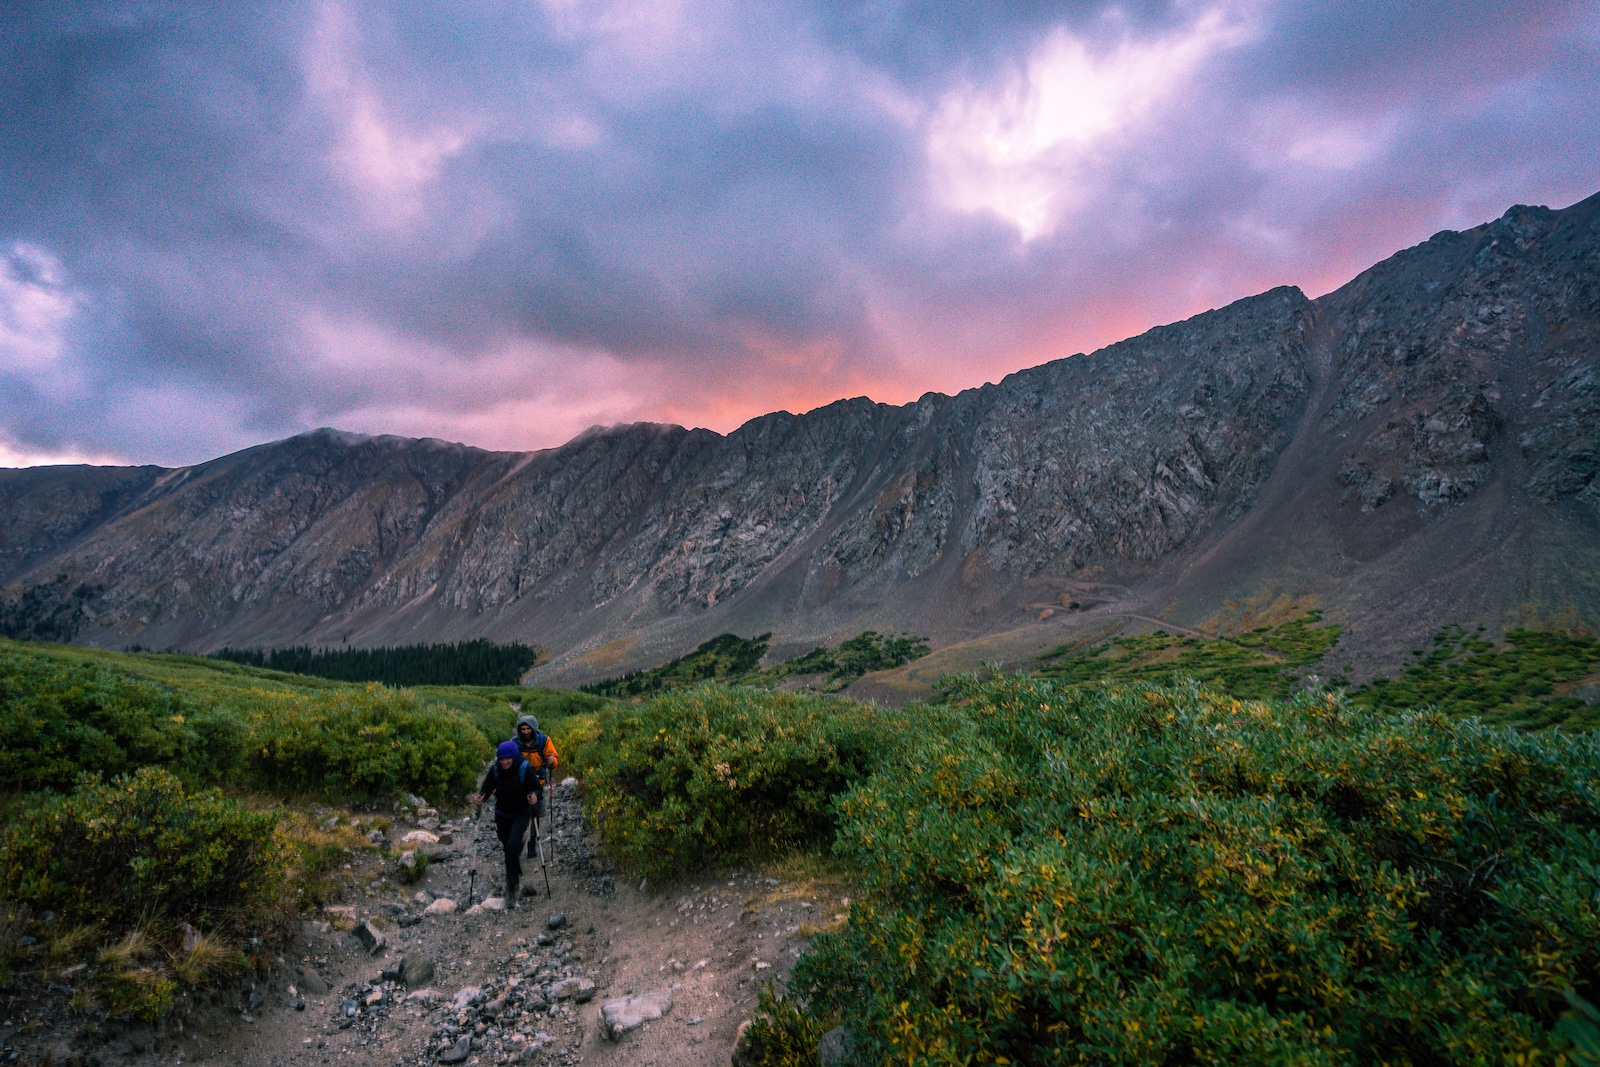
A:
x: 540, y: 752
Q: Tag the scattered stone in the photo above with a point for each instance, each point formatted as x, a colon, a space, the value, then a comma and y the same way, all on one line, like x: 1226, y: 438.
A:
x: 618, y: 1017
x: 464, y: 996
x: 422, y: 898
x: 556, y: 922
x: 418, y: 838
x: 422, y: 996
x: 371, y: 938
x: 569, y: 782
x: 375, y: 836
x: 330, y: 822
x: 442, y: 906
x: 492, y: 904
x: 374, y: 998
x: 458, y: 1052
x: 408, y: 859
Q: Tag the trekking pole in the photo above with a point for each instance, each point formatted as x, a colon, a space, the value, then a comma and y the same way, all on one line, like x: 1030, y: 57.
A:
x: 472, y: 883
x: 543, y: 866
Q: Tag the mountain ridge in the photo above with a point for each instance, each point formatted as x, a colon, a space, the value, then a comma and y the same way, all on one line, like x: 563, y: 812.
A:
x: 1341, y: 451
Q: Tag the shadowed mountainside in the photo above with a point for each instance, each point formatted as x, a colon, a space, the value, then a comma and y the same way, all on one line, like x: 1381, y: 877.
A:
x: 1419, y: 446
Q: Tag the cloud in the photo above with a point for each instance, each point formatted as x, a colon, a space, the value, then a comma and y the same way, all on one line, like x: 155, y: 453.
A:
x: 504, y: 223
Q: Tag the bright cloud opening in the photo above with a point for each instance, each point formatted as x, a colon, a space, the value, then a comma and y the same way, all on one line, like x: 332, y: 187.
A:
x: 1017, y: 152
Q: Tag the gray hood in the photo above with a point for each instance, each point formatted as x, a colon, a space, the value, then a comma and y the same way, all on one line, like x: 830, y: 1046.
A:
x: 516, y: 730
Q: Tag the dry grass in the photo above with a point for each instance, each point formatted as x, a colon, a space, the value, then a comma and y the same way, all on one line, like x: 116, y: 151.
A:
x: 206, y: 957
x: 127, y: 954
x: 68, y: 942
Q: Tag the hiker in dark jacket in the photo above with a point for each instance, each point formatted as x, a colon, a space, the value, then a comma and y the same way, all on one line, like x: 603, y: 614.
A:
x: 540, y: 752
x: 514, y: 784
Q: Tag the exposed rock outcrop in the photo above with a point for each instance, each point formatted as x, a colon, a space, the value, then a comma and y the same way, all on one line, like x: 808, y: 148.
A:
x: 1468, y: 362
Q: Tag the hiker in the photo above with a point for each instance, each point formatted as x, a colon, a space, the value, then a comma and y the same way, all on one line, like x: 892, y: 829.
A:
x: 514, y: 784
x: 540, y: 752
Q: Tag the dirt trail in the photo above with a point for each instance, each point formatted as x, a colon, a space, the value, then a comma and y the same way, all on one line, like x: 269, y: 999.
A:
x: 708, y: 943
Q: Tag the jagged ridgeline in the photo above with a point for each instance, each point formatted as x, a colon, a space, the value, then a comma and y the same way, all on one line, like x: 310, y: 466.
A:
x: 478, y: 662
x: 736, y: 660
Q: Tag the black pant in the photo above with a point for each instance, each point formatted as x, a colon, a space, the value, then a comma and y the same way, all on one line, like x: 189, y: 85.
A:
x: 511, y: 829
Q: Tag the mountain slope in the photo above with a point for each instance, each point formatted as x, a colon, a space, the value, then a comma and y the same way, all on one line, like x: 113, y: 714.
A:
x: 1419, y: 445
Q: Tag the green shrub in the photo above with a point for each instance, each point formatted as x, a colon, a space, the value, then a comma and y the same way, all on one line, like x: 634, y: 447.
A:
x: 719, y: 773
x: 140, y: 848
x: 60, y: 720
x: 363, y: 742
x: 1514, y: 684
x: 1265, y: 662
x: 1145, y: 875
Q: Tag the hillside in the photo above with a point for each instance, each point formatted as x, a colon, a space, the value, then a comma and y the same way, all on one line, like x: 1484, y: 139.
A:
x: 1417, y: 447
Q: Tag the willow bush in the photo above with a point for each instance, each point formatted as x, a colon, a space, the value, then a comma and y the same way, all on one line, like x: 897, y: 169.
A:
x: 1138, y: 875
x: 718, y: 774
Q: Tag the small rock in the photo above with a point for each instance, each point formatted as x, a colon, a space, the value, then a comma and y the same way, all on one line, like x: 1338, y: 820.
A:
x: 442, y: 906
x: 618, y: 1017
x: 569, y: 782
x: 408, y: 859
x: 556, y: 922
x: 492, y: 904
x: 415, y: 970
x: 330, y: 822
x: 73, y: 971
x: 422, y: 898
x: 458, y: 1052
x: 545, y: 940
x: 343, y: 915
x: 374, y: 998
x: 422, y: 996
x: 464, y: 996
x: 375, y: 836
x: 371, y: 938
x: 578, y: 989
x: 418, y: 838
x: 311, y: 983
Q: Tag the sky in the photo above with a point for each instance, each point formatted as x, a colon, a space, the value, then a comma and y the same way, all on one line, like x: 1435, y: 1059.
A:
x: 505, y: 222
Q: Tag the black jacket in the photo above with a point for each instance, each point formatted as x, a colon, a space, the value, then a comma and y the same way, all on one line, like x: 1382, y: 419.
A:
x: 510, y: 788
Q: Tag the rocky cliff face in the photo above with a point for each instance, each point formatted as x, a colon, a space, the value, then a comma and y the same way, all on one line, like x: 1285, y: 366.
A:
x: 1467, y: 363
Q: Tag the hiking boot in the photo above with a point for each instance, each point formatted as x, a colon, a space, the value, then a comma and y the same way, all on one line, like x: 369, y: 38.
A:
x: 511, y: 902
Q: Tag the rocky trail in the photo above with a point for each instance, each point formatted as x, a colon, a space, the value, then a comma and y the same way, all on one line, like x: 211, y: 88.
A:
x: 598, y: 972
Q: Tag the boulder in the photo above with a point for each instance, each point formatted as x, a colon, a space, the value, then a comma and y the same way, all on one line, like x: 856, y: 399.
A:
x: 416, y: 970
x: 442, y: 906
x: 371, y: 937
x: 744, y: 1053
x: 832, y: 1047
x: 618, y: 1017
